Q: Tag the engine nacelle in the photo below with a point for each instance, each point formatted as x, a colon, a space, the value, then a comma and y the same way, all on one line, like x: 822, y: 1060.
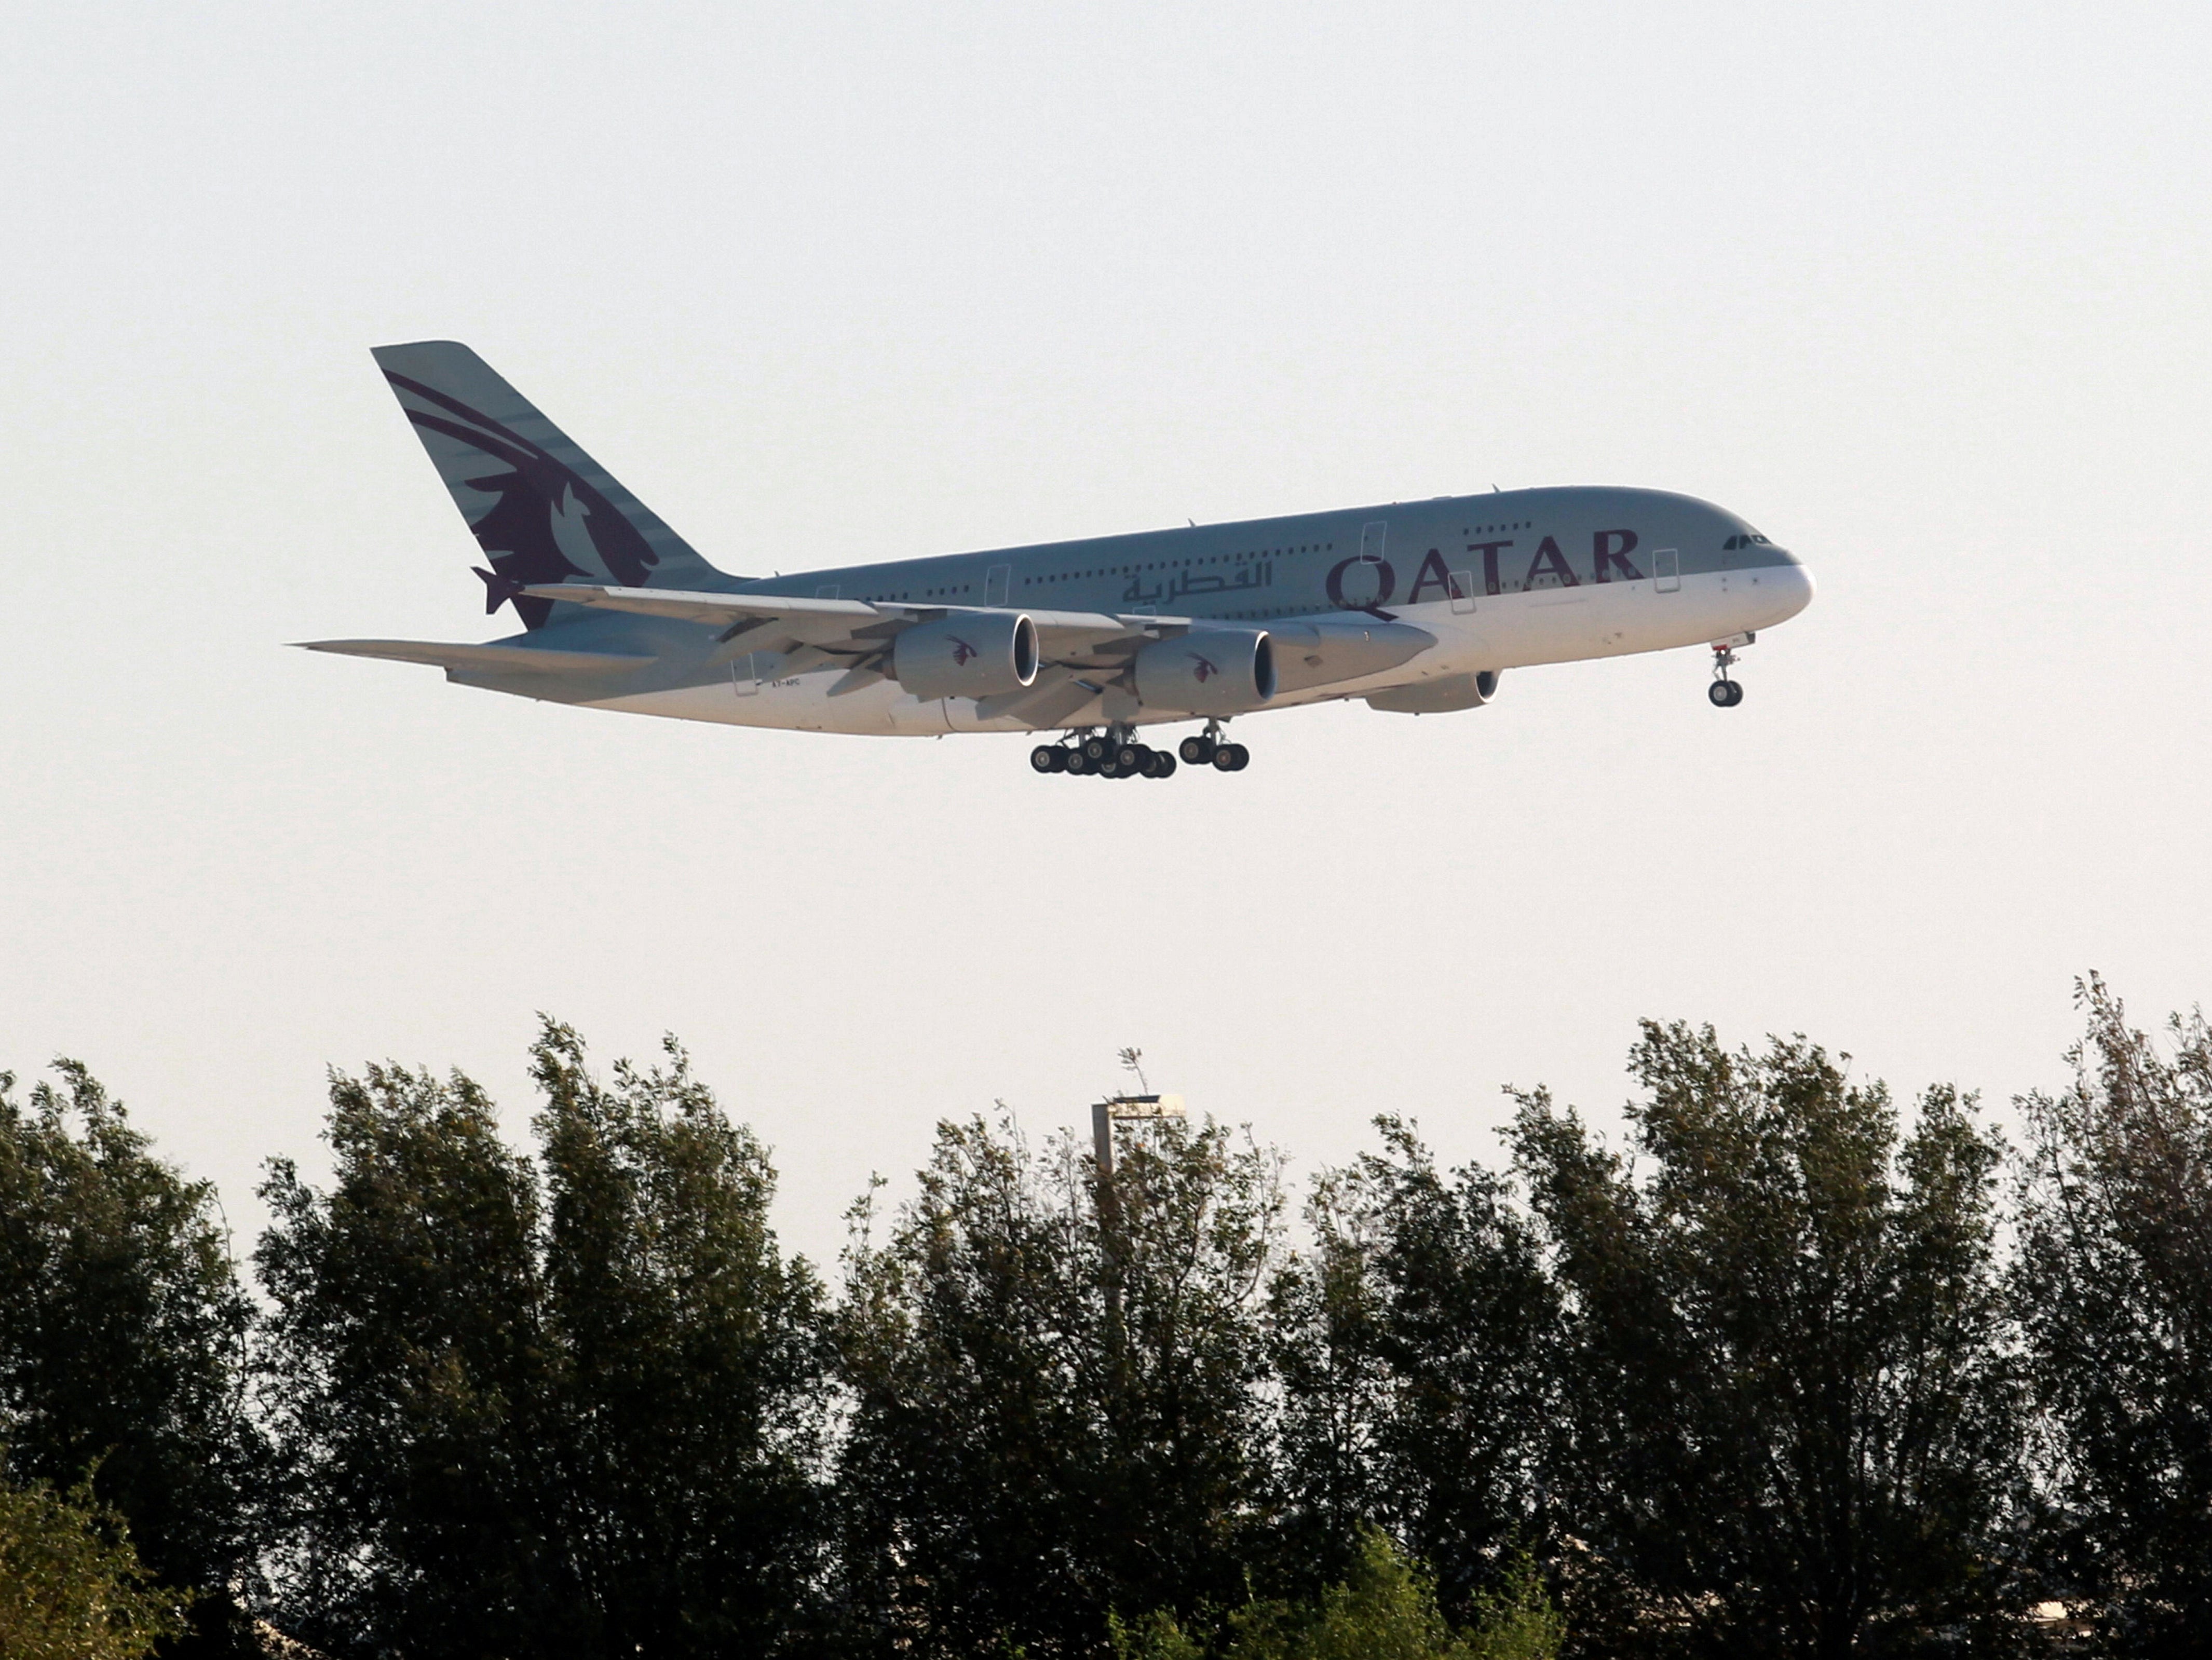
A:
x: 1453, y: 691
x: 1330, y: 649
x: 1207, y: 671
x: 974, y: 655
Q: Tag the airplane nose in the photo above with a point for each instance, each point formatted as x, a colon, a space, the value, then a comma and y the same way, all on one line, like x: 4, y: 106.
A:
x: 1795, y: 580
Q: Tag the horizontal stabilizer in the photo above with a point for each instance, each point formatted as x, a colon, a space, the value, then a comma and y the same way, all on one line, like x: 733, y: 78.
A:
x: 458, y: 655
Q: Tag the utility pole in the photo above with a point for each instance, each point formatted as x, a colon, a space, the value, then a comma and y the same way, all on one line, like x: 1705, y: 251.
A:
x: 1104, y: 1115
x: 1123, y: 1109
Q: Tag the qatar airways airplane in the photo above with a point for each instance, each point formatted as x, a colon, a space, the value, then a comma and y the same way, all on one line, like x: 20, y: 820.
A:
x: 1416, y: 608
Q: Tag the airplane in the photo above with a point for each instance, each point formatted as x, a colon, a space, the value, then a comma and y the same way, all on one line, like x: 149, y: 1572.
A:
x: 1415, y: 608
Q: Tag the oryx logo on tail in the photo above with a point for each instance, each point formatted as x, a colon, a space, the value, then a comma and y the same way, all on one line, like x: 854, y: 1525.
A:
x: 543, y: 517
x: 540, y: 507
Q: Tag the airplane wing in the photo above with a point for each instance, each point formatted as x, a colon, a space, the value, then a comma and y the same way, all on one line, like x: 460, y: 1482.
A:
x: 829, y: 618
x: 861, y: 629
x: 1083, y: 652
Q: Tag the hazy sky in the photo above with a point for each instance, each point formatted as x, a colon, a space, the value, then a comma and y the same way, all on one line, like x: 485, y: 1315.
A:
x: 1922, y: 290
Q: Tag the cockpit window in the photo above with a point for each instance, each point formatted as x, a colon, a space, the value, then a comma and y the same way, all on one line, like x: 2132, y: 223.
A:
x: 1748, y: 539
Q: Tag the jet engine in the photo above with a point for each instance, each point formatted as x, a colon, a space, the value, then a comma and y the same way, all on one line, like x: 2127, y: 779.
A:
x: 973, y: 654
x: 1207, y: 671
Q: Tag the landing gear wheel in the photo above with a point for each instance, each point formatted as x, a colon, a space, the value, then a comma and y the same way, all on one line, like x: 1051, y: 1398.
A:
x: 1075, y: 766
x: 1047, y: 758
x: 1106, y: 769
x: 1724, y: 692
x: 1132, y: 757
x: 1199, y: 752
x: 1096, y: 750
x: 1162, y: 766
x: 1231, y: 757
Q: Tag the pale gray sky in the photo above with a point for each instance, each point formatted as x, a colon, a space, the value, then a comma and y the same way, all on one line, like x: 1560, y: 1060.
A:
x: 1919, y: 289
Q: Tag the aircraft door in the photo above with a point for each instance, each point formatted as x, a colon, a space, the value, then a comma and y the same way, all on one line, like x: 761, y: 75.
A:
x: 1462, y: 592
x: 745, y: 673
x: 1666, y: 570
x: 998, y: 585
x: 1371, y: 538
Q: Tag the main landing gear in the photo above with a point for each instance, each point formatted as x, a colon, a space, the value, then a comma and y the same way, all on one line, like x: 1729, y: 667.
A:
x: 1725, y: 693
x: 1115, y: 753
x: 1207, y: 750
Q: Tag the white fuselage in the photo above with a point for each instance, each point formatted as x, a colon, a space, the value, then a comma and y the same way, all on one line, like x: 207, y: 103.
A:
x: 1540, y: 577
x: 1511, y: 631
x: 1415, y: 607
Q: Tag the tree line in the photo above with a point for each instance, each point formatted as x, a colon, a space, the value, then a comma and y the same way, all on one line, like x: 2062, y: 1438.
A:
x: 1781, y: 1367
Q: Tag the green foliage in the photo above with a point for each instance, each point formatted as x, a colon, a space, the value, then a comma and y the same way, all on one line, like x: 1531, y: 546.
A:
x: 1155, y: 1636
x: 2113, y: 1280
x: 1412, y: 1346
x: 1518, y: 1620
x: 1053, y: 1412
x: 690, y: 1390
x: 1754, y: 1384
x: 123, y: 1329
x: 71, y: 1587
x: 410, y: 1379
x: 570, y: 1412
x: 1384, y: 1609
x: 1790, y: 1426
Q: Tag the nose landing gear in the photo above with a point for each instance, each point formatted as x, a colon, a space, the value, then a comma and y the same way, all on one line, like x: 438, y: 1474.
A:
x: 1725, y: 693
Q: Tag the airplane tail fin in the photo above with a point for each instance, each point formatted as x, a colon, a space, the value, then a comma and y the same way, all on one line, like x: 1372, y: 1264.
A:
x: 541, y: 510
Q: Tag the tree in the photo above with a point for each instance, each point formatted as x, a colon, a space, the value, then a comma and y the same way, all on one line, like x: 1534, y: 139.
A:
x: 2113, y: 1286
x: 1789, y: 1423
x: 691, y: 1386
x: 123, y: 1329
x: 71, y: 1588
x: 1051, y: 1414
x: 411, y: 1382
x: 1385, y: 1608
x: 1414, y: 1347
x: 569, y: 1407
